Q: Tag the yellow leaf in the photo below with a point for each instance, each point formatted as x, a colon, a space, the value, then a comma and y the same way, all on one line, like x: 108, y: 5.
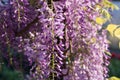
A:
x: 98, y: 7
x: 114, y: 78
x: 117, y: 33
x: 114, y: 7
x: 108, y: 41
x: 106, y: 14
x: 100, y: 20
x: 110, y: 28
x: 108, y: 53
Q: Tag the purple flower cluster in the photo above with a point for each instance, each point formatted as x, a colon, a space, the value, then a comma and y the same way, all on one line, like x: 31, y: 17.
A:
x: 60, y: 38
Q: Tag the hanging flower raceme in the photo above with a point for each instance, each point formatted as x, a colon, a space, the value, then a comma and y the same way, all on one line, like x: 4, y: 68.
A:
x: 46, y: 47
x: 86, y: 44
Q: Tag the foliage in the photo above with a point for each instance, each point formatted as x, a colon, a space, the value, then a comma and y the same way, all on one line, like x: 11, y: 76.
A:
x: 8, y: 74
x: 104, y: 8
x: 114, y: 78
x: 114, y: 32
x: 114, y: 67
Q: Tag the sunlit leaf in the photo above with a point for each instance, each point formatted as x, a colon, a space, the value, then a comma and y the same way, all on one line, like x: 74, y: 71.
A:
x: 114, y: 7
x: 117, y: 33
x: 109, y: 4
x: 114, y: 78
x: 104, y: 8
x: 106, y: 14
x: 110, y: 28
x: 108, y: 53
x: 100, y: 20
